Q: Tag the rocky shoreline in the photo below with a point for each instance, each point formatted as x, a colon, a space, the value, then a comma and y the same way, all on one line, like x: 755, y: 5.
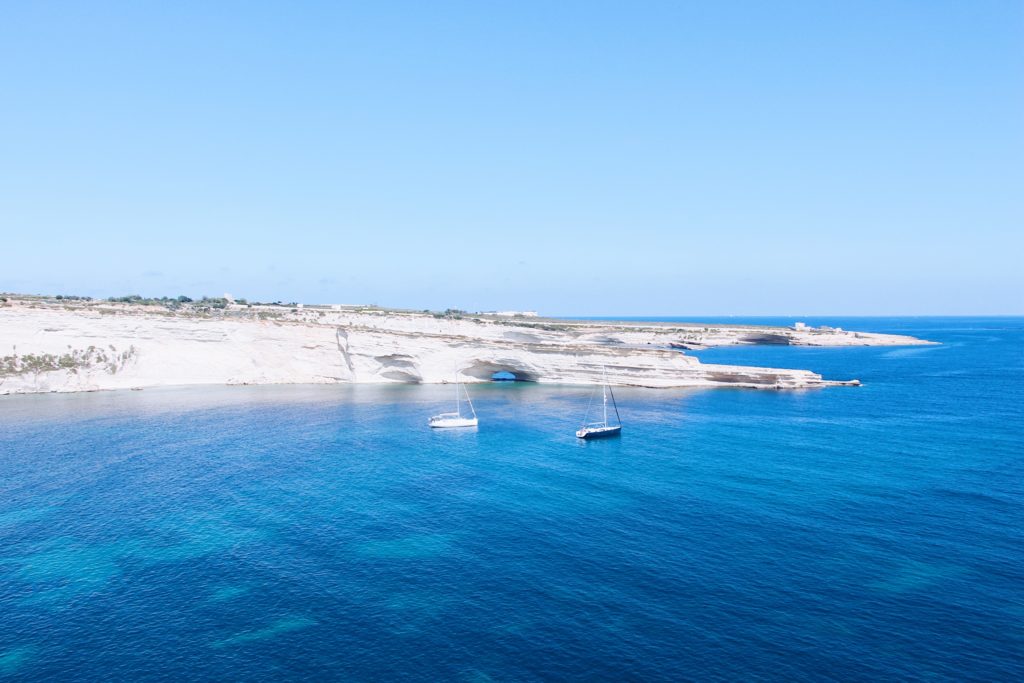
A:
x: 49, y: 345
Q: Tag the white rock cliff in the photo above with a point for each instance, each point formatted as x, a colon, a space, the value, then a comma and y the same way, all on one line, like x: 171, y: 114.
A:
x: 52, y: 346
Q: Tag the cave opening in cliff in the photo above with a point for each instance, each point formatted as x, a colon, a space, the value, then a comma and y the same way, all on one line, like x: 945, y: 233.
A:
x: 499, y: 371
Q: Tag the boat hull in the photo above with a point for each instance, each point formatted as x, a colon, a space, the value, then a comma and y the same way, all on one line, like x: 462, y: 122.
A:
x: 599, y: 432
x: 452, y: 422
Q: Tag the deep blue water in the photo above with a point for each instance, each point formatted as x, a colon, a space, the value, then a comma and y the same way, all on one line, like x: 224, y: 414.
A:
x: 287, y: 533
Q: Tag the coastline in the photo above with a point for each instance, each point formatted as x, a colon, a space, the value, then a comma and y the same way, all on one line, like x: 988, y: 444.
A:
x: 49, y: 345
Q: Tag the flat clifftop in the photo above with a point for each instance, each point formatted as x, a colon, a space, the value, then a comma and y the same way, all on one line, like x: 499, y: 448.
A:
x: 55, y: 345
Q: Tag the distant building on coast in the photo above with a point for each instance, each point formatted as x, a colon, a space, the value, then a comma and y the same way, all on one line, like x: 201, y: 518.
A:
x: 804, y: 327
x: 515, y: 314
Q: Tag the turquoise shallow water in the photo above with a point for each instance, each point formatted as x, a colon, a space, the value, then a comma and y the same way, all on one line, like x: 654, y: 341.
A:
x: 286, y: 533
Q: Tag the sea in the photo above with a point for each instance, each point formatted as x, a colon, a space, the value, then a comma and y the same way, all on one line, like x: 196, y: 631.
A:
x: 286, y: 533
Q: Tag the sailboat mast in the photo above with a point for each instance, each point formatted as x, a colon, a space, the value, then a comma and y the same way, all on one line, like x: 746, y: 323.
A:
x: 604, y: 395
x: 604, y: 392
x: 458, y: 395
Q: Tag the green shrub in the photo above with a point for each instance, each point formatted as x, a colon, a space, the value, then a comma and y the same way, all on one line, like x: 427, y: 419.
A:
x: 74, y: 361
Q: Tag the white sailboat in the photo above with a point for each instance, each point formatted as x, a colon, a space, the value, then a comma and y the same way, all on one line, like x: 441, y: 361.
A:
x: 602, y: 428
x: 457, y: 418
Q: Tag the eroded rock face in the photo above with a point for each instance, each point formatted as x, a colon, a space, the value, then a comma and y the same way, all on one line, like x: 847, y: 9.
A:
x: 767, y: 338
x: 257, y: 346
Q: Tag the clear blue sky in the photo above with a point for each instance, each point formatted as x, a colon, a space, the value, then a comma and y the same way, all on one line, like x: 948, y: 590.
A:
x: 573, y: 157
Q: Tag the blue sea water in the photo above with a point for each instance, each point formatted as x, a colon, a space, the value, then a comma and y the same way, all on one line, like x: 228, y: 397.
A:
x: 325, y: 533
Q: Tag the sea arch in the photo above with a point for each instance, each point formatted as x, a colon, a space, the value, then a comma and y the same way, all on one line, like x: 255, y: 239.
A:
x: 488, y: 371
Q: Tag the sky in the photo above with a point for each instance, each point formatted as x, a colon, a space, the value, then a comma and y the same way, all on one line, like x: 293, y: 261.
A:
x: 575, y: 158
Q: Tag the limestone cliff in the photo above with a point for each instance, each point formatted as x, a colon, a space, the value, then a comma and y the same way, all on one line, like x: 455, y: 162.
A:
x: 51, y: 346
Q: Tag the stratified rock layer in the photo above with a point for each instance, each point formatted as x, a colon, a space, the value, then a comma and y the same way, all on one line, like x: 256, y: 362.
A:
x: 49, y: 346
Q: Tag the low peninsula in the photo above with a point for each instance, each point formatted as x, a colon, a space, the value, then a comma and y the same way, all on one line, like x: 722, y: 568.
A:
x: 67, y: 344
